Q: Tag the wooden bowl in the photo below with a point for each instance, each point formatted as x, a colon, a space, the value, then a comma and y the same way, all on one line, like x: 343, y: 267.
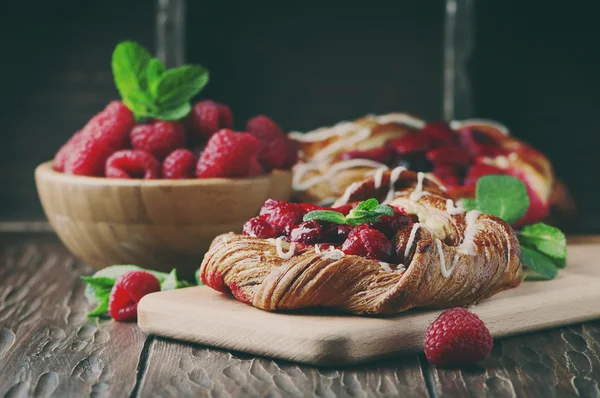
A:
x: 156, y: 224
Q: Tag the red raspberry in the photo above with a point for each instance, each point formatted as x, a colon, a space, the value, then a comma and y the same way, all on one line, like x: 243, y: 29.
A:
x: 479, y: 143
x: 368, y: 242
x: 208, y: 117
x: 179, y: 164
x: 309, y: 232
x: 480, y: 170
x: 227, y: 154
x: 292, y: 154
x: 159, y: 138
x: 410, y: 144
x: 341, y: 232
x: 283, y: 215
x: 274, y: 150
x: 454, y: 155
x: 61, y: 156
x: 260, y: 228
x: 126, y: 293
x: 382, y: 155
x: 345, y: 209
x: 255, y: 169
x: 308, y: 207
x: 105, y: 133
x: 389, y: 225
x: 439, y: 133
x: 132, y: 163
x: 447, y: 174
x: 457, y: 337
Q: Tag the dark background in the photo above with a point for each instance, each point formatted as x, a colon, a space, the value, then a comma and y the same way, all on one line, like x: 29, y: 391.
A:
x: 535, y: 68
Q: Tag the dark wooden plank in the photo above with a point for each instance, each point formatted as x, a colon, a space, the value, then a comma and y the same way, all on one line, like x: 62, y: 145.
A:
x: 47, y: 344
x: 558, y: 363
x: 181, y: 369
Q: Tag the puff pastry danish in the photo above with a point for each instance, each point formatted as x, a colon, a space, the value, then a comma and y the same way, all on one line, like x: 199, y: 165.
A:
x: 444, y: 257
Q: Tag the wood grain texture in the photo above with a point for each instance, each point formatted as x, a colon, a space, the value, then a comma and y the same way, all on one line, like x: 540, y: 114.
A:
x: 156, y: 224
x: 187, y: 370
x: 204, y: 316
x: 48, y: 347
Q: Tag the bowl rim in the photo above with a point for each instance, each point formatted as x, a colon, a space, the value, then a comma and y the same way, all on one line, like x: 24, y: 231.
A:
x: 45, y: 171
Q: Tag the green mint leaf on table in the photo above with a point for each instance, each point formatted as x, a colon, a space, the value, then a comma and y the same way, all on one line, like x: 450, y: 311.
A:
x: 172, y: 282
x: 546, y: 239
x: 129, y: 65
x: 325, y: 215
x: 101, y: 309
x: 502, y: 196
x: 540, y: 265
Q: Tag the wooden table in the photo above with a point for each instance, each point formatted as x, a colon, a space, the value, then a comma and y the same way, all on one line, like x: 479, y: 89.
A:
x: 48, y: 347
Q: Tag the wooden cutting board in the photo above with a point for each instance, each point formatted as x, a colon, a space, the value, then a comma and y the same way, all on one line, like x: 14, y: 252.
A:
x: 201, y: 315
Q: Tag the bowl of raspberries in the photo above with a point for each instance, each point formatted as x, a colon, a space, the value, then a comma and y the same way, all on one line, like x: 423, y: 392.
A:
x: 156, y: 192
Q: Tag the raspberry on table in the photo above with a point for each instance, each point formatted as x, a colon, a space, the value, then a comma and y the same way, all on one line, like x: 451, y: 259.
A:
x: 457, y: 337
x: 259, y: 228
x: 283, y: 215
x: 105, y: 133
x: 61, y: 156
x: 179, y: 164
x: 275, y: 149
x: 227, y: 154
x: 368, y: 242
x: 160, y: 138
x: 132, y: 163
x: 208, y: 117
x: 126, y: 293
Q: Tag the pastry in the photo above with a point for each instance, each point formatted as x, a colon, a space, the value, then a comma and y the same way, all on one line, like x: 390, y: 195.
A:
x: 426, y: 252
x: 454, y: 154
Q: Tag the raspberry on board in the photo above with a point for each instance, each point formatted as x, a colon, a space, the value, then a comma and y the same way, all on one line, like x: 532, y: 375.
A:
x: 179, y: 164
x: 105, y: 133
x: 126, y: 293
x: 208, y: 117
x: 132, y: 163
x: 159, y: 138
x: 228, y: 154
x: 457, y: 337
x: 275, y: 150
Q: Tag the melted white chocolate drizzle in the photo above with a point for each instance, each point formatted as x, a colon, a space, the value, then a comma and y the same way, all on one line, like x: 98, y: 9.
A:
x: 453, y: 209
x: 418, y: 193
x: 284, y: 255
x: 468, y: 245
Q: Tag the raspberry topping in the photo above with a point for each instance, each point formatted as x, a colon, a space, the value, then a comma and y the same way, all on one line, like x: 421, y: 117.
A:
x: 179, y: 164
x: 259, y: 228
x: 159, y: 138
x: 439, y: 133
x: 409, y: 144
x: 454, y: 155
x: 283, y: 215
x: 309, y: 232
x: 368, y: 242
x: 102, y: 135
x: 208, y: 117
x: 132, y: 163
x: 274, y: 147
x: 457, y: 337
x: 382, y: 155
x: 126, y: 293
x: 480, y: 170
x: 228, y: 154
x: 389, y: 225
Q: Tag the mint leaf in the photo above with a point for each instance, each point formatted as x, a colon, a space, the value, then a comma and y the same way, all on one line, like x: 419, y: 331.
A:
x: 173, y: 282
x: 180, y: 85
x: 174, y: 114
x: 541, y: 265
x: 101, y: 309
x: 325, y: 215
x: 153, y: 74
x: 367, y: 205
x: 101, y: 282
x: 368, y: 211
x: 129, y: 65
x: 502, y: 196
x: 467, y: 204
x: 546, y: 239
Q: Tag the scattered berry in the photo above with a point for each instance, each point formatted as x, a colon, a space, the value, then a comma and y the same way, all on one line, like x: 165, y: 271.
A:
x: 179, y: 164
x: 102, y: 135
x: 227, y: 154
x: 283, y: 215
x: 132, y: 163
x: 274, y: 150
x: 457, y: 337
x: 309, y: 232
x: 126, y: 293
x: 159, y: 138
x: 259, y: 228
x: 368, y: 242
x: 208, y: 117
x: 382, y: 155
x: 61, y: 156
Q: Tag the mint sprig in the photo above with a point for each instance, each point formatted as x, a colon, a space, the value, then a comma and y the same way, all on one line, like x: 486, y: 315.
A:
x: 368, y: 211
x: 99, y: 285
x: 148, y: 89
x: 543, y: 247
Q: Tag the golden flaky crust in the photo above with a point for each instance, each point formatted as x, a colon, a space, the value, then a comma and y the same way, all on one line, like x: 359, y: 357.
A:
x: 251, y: 269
